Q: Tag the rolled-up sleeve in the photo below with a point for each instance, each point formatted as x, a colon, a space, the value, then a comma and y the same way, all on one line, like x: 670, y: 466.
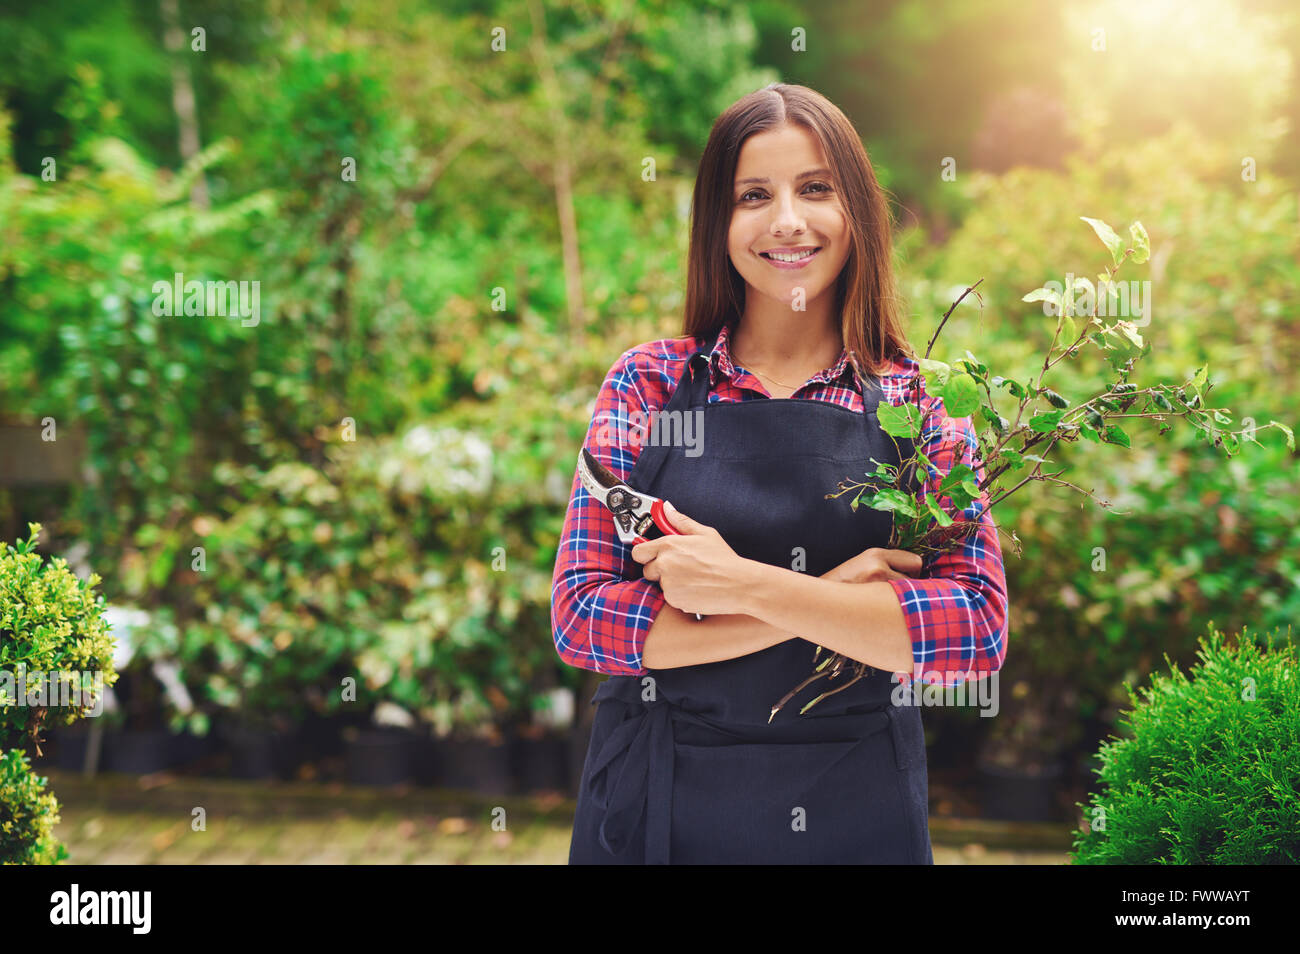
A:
x: 956, y: 610
x: 600, y: 611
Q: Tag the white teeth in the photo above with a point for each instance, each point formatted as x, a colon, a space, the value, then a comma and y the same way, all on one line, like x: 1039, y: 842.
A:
x: 787, y: 257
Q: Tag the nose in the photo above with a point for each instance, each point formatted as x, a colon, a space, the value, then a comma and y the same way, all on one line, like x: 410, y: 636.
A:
x: 786, y: 217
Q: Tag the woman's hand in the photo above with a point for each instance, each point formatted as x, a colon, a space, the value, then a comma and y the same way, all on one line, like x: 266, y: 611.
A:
x: 696, y: 570
x: 876, y: 563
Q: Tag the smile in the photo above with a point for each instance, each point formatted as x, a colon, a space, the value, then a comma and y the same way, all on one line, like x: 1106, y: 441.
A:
x: 779, y: 259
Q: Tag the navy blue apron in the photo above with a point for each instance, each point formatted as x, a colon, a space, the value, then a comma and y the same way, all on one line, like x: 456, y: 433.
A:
x: 683, y: 766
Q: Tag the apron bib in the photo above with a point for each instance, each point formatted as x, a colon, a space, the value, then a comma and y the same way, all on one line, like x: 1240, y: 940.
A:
x: 683, y: 766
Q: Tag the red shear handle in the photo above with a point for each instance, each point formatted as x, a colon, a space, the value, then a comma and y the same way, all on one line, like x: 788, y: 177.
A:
x: 660, y: 517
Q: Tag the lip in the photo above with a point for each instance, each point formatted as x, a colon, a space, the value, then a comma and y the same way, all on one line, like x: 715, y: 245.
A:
x: 790, y: 265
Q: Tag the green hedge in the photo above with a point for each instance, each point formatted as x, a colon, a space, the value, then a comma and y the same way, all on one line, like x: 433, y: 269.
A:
x: 1209, y: 770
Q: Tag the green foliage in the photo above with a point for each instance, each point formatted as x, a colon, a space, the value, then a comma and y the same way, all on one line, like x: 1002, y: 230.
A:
x: 1209, y: 769
x: 28, y: 815
x: 1192, y: 530
x: 50, y: 621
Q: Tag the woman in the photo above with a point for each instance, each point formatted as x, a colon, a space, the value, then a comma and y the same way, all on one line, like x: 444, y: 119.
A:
x: 792, y: 338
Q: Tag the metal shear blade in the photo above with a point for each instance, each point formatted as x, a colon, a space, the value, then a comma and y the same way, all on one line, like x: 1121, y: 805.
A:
x: 635, y: 515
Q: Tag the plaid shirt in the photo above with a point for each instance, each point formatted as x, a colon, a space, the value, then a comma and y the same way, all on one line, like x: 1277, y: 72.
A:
x: 956, y: 612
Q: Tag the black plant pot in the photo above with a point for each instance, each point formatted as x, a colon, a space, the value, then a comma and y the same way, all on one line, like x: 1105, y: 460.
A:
x: 541, y: 764
x: 138, y: 751
x: 474, y: 765
x: 67, y: 746
x: 189, y: 748
x: 321, y: 736
x: 1019, y: 794
x: 379, y: 756
x: 257, y: 753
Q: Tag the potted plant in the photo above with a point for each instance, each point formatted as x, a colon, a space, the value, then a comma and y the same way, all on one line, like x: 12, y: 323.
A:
x: 540, y: 746
x: 384, y: 752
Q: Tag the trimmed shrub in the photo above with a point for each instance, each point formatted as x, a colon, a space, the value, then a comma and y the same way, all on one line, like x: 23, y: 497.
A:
x: 28, y: 814
x: 50, y: 622
x: 1211, y: 772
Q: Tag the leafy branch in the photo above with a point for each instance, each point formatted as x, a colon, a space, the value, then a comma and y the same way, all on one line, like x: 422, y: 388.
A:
x: 1014, y: 453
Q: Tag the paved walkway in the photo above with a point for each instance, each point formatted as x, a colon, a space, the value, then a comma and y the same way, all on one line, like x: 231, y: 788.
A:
x: 118, y: 819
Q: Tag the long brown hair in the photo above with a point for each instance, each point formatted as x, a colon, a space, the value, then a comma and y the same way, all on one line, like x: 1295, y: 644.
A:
x: 866, y: 290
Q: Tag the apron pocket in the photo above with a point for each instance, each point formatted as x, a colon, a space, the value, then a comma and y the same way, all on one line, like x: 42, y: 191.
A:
x: 790, y: 803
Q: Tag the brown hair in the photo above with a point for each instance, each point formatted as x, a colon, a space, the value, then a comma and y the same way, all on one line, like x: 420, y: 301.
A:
x: 865, y: 291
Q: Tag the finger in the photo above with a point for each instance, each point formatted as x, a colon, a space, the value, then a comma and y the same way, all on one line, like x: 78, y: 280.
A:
x: 681, y: 522
x: 905, y: 560
x: 644, y: 552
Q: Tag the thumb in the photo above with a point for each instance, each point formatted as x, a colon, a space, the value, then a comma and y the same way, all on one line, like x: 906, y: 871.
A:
x: 680, y: 520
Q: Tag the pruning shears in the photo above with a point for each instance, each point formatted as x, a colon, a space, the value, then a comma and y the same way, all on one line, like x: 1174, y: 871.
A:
x: 638, y: 517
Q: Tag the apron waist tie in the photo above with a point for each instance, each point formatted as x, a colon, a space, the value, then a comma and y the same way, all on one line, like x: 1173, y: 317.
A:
x: 642, y: 785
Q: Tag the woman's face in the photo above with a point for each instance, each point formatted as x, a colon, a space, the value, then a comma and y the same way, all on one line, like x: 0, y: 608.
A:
x: 783, y: 200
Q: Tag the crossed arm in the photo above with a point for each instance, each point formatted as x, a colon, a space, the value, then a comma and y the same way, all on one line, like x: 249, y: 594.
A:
x: 774, y: 604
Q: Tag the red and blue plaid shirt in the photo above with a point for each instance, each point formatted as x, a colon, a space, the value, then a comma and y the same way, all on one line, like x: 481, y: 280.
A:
x: 956, y: 612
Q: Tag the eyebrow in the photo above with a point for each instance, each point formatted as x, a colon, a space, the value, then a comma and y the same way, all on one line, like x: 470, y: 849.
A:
x: 802, y: 175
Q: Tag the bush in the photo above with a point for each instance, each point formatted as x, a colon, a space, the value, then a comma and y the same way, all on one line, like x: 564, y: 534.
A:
x: 50, y: 622
x: 1211, y: 774
x: 28, y: 815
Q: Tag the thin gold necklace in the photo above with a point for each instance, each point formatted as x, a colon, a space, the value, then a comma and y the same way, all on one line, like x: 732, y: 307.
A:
x: 745, y: 364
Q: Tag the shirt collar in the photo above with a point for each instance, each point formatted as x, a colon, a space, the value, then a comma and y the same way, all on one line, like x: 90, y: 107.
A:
x: 720, y: 364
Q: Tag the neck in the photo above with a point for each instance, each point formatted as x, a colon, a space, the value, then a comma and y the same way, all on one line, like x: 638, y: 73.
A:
x: 790, y: 344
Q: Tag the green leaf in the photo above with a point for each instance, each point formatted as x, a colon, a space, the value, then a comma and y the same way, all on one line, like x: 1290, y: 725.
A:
x: 1290, y: 435
x: 1129, y: 331
x: 1090, y: 433
x: 1070, y: 329
x: 1046, y: 422
x: 1108, y: 238
x: 1115, y: 435
x: 1012, y: 456
x: 1015, y: 387
x: 1046, y: 294
x: 892, y: 499
x: 975, y: 366
x: 935, y: 373
x: 961, y: 396
x: 901, y: 421
x: 959, y: 474
x: 939, y: 514
x: 1141, y: 244
x: 1000, y: 423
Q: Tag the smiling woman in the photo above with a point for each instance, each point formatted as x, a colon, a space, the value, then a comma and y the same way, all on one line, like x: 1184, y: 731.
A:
x: 790, y: 265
